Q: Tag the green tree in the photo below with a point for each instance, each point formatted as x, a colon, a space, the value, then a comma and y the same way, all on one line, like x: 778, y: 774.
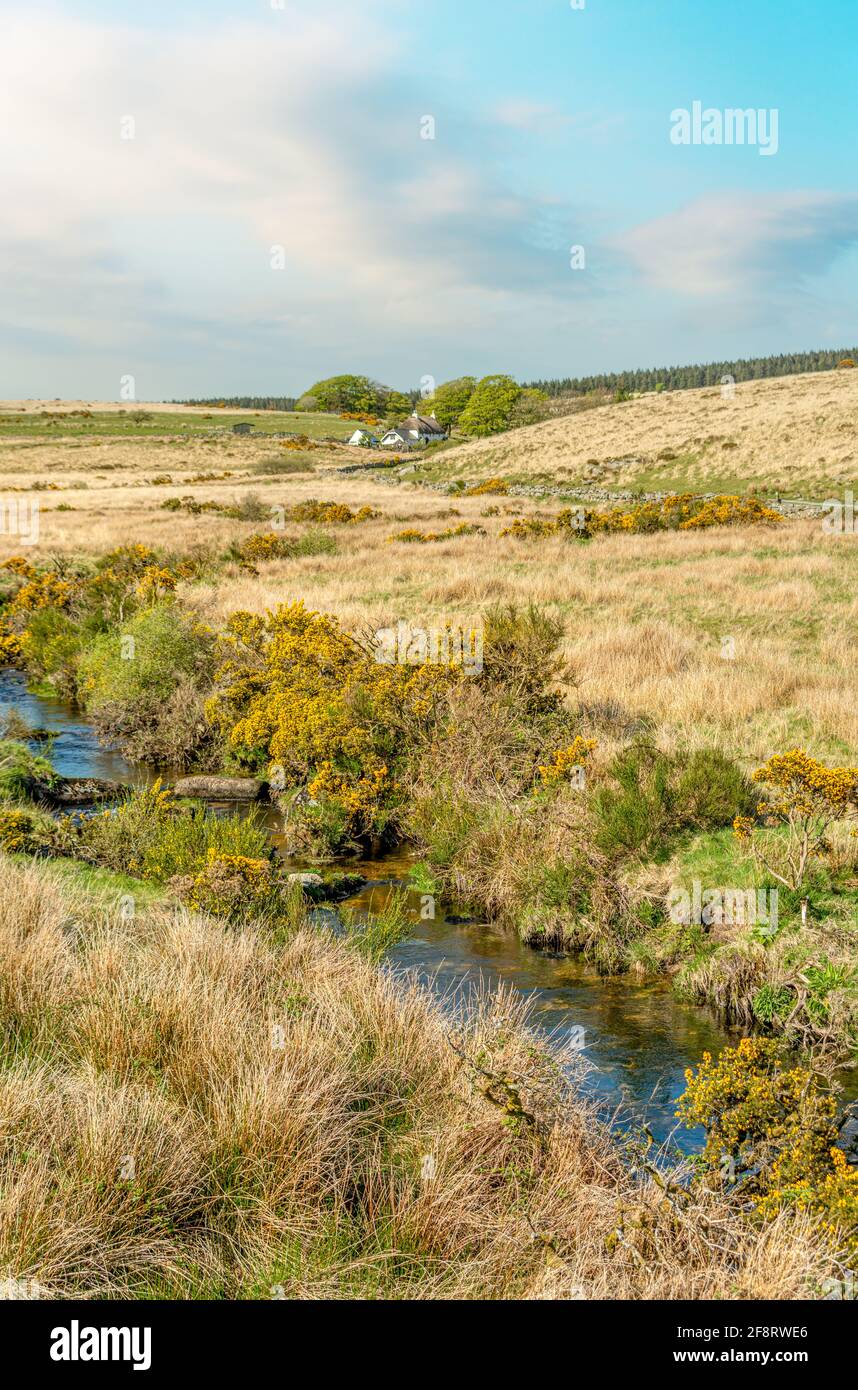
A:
x: 450, y: 400
x: 489, y: 411
x: 397, y: 406
x: 347, y: 393
x: 530, y: 408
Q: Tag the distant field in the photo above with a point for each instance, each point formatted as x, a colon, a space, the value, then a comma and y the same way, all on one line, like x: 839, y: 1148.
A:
x: 644, y: 615
x: 795, y: 435
x: 61, y: 422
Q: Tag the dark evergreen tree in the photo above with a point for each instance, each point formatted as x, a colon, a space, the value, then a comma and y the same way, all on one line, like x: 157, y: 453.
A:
x: 684, y: 378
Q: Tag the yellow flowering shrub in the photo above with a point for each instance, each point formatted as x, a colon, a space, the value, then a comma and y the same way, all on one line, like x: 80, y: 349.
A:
x: 44, y: 599
x: 805, y: 798
x: 298, y: 694
x: 154, y: 583
x: 494, y: 487
x: 17, y: 564
x: 683, y: 512
x: 10, y: 648
x: 229, y: 885
x: 54, y: 615
x: 16, y: 831
x: 523, y: 528
x: 262, y: 546
x: 732, y: 511
x: 45, y: 590
x: 770, y: 1125
x: 410, y: 536
x: 415, y: 537
x: 566, y: 761
x: 336, y: 513
x: 134, y: 559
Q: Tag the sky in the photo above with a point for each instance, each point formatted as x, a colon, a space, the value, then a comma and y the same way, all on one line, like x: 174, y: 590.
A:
x: 228, y: 197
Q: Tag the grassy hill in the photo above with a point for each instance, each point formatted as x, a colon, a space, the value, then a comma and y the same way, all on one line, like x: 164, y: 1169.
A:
x: 796, y: 435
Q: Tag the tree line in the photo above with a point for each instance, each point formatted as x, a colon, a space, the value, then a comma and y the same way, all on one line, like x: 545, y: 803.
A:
x: 244, y: 402
x: 701, y: 374
x: 497, y: 403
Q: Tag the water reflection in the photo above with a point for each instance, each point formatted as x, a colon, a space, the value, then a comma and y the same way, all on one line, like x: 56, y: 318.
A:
x: 638, y: 1036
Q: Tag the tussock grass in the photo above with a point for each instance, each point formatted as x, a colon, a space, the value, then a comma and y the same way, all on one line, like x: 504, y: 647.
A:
x: 786, y: 433
x: 190, y: 1111
x: 645, y: 615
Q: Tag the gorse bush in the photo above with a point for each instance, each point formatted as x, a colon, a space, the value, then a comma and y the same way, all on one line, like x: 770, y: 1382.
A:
x: 330, y: 513
x: 25, y: 831
x: 684, y: 512
x: 771, y: 1128
x: 566, y: 762
x: 490, y: 487
x: 414, y: 537
x: 806, y: 799
x: 522, y: 658
x: 115, y: 639
x: 229, y: 885
x: 273, y: 546
x: 54, y: 615
x: 303, y: 701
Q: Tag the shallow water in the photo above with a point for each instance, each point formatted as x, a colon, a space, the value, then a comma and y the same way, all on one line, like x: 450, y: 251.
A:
x: 76, y: 751
x: 636, y: 1037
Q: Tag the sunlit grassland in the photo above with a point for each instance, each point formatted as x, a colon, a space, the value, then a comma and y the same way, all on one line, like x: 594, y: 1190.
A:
x: 144, y: 422
x: 788, y: 435
x: 645, y: 615
x: 161, y: 1146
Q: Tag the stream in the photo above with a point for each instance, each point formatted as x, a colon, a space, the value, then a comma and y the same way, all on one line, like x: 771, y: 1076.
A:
x: 636, y: 1037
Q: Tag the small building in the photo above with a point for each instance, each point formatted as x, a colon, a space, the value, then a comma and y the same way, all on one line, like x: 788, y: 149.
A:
x: 242, y: 428
x: 416, y: 430
x: 365, y: 438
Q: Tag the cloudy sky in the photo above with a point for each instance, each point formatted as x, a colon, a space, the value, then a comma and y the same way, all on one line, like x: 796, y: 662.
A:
x: 237, y: 196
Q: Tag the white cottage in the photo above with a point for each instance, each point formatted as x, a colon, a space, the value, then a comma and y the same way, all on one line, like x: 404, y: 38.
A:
x: 416, y: 430
x: 364, y: 437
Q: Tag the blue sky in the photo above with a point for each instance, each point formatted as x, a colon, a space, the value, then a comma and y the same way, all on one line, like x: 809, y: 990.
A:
x: 277, y: 216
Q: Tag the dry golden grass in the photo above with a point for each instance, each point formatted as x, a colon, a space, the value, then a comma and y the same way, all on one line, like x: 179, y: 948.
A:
x: 58, y: 407
x: 158, y: 1139
x: 645, y: 615
x: 787, y: 432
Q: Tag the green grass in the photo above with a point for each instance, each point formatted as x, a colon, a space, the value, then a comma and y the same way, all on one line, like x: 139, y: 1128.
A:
x: 110, y: 424
x: 100, y: 886
x: 717, y: 861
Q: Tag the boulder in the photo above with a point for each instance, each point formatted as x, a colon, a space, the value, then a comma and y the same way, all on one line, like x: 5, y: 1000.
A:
x: 312, y: 886
x: 333, y: 889
x: 80, y: 791
x: 215, y: 788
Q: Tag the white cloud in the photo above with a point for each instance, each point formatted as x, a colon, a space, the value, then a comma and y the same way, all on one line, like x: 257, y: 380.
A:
x: 741, y: 244
x: 299, y: 131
